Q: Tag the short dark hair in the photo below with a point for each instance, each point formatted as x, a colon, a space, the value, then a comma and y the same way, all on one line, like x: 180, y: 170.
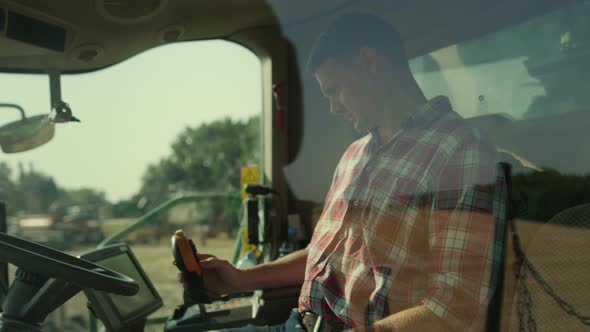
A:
x: 347, y: 34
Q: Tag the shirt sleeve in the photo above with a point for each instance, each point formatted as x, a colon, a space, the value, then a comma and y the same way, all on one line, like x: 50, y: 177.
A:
x: 461, y: 234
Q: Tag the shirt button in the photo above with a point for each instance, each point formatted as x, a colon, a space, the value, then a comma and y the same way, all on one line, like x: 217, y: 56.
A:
x: 342, y: 236
x: 355, y: 203
x: 303, y: 299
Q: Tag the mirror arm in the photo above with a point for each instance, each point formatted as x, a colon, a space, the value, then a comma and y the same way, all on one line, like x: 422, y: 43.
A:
x: 60, y: 110
x: 22, y: 111
x: 55, y: 88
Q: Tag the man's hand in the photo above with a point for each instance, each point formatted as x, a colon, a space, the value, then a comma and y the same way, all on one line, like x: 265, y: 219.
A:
x: 219, y: 275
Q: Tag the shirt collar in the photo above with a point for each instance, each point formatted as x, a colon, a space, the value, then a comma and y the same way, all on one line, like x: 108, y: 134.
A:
x: 425, y: 115
x: 428, y: 113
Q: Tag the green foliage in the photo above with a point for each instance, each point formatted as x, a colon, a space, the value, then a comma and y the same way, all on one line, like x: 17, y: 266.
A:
x: 204, y: 159
x: 33, y: 192
x: 126, y: 209
x: 80, y: 204
x: 39, y: 191
x: 86, y: 195
x: 542, y: 195
x: 8, y: 190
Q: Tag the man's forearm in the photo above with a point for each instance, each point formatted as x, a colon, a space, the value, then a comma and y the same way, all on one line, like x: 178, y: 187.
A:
x: 419, y: 318
x: 283, y: 272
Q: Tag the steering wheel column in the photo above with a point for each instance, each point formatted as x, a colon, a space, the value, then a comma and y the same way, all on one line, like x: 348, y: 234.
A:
x: 46, y: 279
x: 14, y: 325
x: 32, y: 297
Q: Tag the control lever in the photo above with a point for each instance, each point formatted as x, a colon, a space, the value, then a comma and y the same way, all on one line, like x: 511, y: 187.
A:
x: 187, y: 262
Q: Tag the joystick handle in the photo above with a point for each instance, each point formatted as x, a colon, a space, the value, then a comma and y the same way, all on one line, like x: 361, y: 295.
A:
x: 187, y: 262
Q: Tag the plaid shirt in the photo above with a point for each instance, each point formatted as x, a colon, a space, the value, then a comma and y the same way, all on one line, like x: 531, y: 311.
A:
x: 407, y: 223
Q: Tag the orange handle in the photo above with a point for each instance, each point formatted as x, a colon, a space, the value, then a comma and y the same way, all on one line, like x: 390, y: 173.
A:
x: 189, y: 256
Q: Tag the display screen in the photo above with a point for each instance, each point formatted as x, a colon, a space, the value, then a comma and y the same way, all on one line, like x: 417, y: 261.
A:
x: 127, y: 305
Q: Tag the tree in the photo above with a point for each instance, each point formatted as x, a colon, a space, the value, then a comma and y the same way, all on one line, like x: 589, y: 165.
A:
x: 540, y: 195
x: 206, y: 159
x: 8, y: 190
x: 127, y: 208
x: 38, y: 190
x: 80, y: 204
x: 37, y: 193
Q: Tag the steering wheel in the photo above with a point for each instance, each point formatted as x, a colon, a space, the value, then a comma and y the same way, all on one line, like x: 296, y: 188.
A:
x: 51, y: 263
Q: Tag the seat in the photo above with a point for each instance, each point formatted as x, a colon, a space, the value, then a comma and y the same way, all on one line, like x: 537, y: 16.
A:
x: 553, y: 284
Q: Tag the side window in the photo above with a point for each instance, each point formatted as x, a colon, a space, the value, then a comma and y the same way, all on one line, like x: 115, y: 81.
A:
x: 522, y: 87
x: 525, y: 71
x: 525, y: 88
x: 176, y: 121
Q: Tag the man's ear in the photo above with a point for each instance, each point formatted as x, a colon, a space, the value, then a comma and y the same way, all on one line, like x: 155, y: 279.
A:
x: 368, y: 60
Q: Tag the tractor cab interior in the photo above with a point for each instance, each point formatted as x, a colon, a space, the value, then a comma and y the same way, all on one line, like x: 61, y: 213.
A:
x: 154, y: 116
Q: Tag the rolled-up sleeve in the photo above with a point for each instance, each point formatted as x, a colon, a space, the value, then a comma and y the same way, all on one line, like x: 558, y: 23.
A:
x: 461, y: 238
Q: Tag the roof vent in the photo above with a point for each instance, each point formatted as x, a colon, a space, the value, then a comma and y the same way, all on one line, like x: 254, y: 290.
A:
x: 130, y: 11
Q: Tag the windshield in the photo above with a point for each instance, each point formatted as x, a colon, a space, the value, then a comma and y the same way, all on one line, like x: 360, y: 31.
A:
x: 522, y: 86
x: 144, y: 139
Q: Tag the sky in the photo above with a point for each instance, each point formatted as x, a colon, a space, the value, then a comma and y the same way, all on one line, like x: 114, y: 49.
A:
x: 133, y: 111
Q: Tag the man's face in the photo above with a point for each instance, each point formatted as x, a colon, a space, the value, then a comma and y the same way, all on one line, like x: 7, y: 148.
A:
x: 351, y: 91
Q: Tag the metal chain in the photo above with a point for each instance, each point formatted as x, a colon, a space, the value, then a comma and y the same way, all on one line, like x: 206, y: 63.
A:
x: 565, y: 306
x: 524, y: 301
x: 524, y: 306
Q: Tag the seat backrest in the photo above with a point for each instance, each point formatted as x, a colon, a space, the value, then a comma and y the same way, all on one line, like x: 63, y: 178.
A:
x: 501, y: 219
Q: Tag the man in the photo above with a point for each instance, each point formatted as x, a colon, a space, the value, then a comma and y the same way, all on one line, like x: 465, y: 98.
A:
x: 405, y: 240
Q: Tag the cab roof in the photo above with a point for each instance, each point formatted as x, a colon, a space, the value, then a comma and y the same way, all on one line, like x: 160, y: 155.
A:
x: 86, y: 35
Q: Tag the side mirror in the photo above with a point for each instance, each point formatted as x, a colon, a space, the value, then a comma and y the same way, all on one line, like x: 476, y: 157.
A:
x: 25, y: 134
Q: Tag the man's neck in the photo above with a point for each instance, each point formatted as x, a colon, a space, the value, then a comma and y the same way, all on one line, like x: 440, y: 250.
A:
x: 396, y: 112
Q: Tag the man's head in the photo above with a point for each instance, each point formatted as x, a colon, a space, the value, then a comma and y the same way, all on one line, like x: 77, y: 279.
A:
x: 361, y: 66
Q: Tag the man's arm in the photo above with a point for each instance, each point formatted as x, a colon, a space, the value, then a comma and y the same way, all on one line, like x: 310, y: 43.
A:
x: 223, y: 278
x: 283, y: 272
